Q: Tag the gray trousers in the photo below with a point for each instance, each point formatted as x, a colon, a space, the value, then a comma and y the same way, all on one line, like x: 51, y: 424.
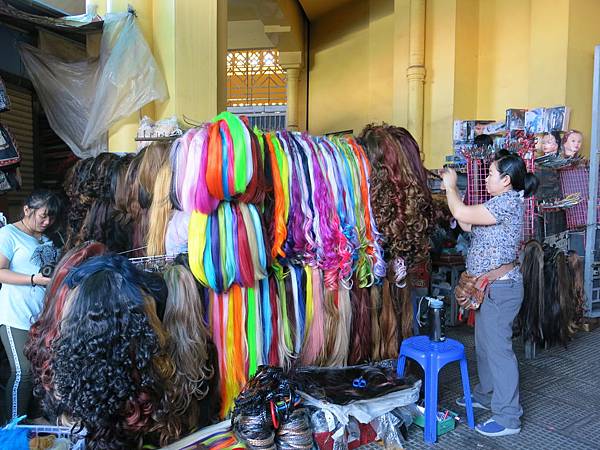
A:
x: 497, y: 365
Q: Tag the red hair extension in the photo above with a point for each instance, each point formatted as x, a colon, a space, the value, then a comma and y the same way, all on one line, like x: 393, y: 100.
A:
x: 280, y: 229
x: 274, y: 299
x: 253, y: 188
x: 214, y: 174
x: 244, y: 255
x: 239, y: 322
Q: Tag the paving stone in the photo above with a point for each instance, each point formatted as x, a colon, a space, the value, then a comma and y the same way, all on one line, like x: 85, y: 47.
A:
x: 560, y: 394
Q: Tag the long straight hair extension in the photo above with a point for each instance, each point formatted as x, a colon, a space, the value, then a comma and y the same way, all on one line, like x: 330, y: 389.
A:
x: 566, y: 299
x: 576, y: 272
x: 339, y: 354
x: 360, y: 345
x: 314, y: 337
x: 388, y: 323
x: 375, y: 299
x: 551, y: 313
x: 154, y: 157
x: 406, y: 309
x: 529, y: 319
x: 187, y: 345
x: 160, y: 212
x: 335, y: 384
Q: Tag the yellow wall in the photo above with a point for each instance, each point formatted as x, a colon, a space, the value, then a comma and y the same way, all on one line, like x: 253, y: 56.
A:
x: 351, y: 71
x: 439, y: 79
x: 481, y: 58
x: 584, y: 35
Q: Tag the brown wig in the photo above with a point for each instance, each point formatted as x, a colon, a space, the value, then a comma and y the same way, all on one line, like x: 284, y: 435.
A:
x: 188, y: 345
x: 400, y: 196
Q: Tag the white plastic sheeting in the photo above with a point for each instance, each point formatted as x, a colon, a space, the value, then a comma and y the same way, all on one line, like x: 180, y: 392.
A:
x: 83, y: 99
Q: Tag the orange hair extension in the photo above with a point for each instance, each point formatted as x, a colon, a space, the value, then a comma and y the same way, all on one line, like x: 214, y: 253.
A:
x: 214, y: 174
x: 278, y: 216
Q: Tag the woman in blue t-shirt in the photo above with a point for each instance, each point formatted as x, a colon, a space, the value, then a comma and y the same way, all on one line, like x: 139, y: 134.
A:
x: 24, y: 250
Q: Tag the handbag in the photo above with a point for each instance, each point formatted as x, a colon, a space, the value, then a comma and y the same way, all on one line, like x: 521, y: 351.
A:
x: 9, y: 153
x: 471, y: 290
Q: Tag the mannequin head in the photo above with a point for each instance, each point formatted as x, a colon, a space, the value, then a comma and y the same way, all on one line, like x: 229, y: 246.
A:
x: 550, y: 143
x: 571, y: 143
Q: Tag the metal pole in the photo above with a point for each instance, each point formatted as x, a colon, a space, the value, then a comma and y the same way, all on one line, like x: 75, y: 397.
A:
x: 590, y: 235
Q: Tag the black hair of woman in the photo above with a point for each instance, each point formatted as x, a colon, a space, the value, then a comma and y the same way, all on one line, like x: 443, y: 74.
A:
x: 43, y: 198
x: 512, y: 165
x: 53, y: 204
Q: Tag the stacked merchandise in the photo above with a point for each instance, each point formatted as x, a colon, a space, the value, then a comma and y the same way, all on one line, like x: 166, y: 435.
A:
x: 281, y: 231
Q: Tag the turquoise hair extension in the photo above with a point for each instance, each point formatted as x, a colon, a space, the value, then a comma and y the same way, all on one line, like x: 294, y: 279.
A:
x: 231, y: 257
x: 209, y: 268
x: 262, y: 252
x: 266, y: 317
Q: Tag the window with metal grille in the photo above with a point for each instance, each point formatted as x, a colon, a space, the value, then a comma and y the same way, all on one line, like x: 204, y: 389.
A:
x: 255, y: 78
x: 256, y: 87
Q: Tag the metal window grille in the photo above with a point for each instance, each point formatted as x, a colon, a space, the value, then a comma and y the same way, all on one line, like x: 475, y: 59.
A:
x: 266, y: 118
x: 255, y: 78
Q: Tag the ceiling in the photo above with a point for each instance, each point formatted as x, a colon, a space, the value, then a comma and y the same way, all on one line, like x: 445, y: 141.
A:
x: 314, y: 9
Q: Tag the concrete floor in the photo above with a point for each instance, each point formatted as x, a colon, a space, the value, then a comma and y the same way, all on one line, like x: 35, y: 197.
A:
x: 560, y: 394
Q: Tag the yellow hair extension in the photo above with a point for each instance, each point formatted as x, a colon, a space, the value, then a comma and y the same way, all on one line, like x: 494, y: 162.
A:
x: 160, y: 212
x: 196, y: 245
x: 309, y: 301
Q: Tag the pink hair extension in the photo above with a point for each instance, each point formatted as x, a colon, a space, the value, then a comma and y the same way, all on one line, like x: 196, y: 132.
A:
x: 190, y: 180
x: 203, y: 201
x: 314, y: 338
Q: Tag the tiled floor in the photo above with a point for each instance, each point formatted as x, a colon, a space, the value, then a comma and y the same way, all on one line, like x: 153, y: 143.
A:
x: 560, y: 394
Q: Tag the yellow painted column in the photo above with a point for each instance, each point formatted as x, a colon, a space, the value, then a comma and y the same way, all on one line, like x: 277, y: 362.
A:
x: 191, y: 49
x: 416, y: 69
x: 121, y: 136
x: 292, y: 63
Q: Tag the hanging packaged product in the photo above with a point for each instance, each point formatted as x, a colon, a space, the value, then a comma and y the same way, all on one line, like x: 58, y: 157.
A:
x: 4, y: 100
x: 9, y: 154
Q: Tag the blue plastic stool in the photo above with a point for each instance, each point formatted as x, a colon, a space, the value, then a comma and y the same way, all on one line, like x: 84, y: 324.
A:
x: 432, y: 356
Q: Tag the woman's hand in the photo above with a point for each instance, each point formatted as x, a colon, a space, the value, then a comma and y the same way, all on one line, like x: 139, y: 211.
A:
x: 41, y: 280
x: 449, y: 178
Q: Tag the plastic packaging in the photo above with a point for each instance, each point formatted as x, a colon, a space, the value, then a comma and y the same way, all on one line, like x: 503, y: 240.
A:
x: 83, y: 99
x: 391, y: 428
x: 366, y: 410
